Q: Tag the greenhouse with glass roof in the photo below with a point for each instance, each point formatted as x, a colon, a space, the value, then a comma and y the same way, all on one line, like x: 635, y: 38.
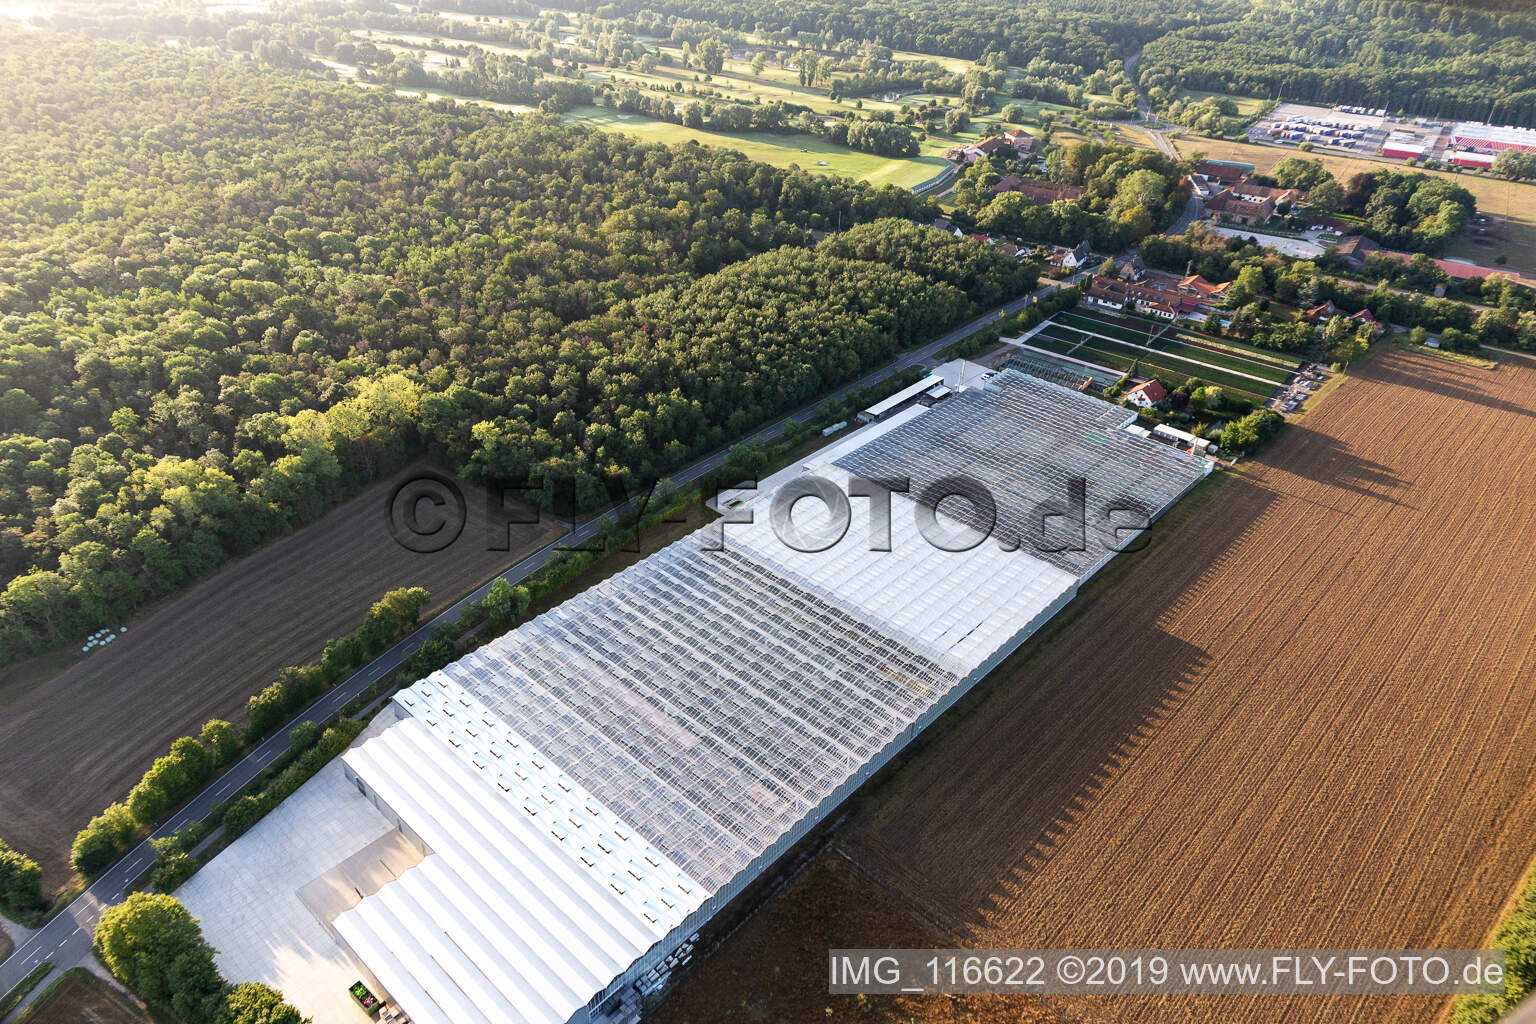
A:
x: 588, y: 790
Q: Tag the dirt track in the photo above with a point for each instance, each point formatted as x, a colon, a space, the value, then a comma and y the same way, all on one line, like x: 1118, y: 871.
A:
x: 1304, y: 720
x: 73, y: 741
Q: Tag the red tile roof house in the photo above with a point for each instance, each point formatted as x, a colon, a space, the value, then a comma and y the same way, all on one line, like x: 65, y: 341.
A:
x: 1365, y: 317
x: 1019, y: 139
x: 1249, y: 204
x: 1205, y: 291
x: 1040, y: 191
x: 1146, y: 394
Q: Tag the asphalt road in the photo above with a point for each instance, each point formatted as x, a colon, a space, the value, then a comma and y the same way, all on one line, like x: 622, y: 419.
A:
x: 66, y: 938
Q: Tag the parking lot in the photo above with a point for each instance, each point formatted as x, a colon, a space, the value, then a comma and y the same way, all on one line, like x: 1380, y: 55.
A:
x: 1302, y: 386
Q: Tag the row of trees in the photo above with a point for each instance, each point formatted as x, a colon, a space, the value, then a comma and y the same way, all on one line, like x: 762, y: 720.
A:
x: 155, y: 947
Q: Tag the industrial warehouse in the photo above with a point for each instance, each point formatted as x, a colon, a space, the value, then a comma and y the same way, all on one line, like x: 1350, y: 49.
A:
x: 584, y: 793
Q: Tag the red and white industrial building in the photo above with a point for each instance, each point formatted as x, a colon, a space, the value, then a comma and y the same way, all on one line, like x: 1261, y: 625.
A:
x: 1493, y: 138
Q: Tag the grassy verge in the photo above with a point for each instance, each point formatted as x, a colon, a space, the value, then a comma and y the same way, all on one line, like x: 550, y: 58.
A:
x: 24, y: 987
x: 1516, y: 936
x: 1464, y: 358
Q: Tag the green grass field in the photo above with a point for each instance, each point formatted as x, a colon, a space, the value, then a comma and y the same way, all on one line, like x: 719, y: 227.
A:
x: 810, y: 152
x: 1247, y: 106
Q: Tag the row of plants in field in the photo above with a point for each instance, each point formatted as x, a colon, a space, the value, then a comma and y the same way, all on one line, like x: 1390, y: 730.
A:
x: 1257, y: 355
x: 1119, y: 357
x: 1172, y: 343
x: 1174, y: 346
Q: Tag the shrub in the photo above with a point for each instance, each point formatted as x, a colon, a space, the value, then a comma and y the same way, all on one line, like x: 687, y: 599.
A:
x: 172, y: 864
x: 21, y: 881
x: 103, y: 840
x: 255, y: 1003
x: 240, y: 815
x: 304, y: 735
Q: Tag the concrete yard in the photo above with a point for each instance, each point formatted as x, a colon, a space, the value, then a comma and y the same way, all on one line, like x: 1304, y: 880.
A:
x: 250, y: 901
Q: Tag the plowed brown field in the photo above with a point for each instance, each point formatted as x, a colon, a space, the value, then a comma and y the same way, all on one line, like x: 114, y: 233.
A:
x: 1305, y: 719
x: 73, y: 741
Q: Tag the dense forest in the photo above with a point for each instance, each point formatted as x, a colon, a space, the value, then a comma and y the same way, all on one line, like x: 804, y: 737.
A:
x: 1474, y: 60
x: 1470, y: 60
x: 229, y: 297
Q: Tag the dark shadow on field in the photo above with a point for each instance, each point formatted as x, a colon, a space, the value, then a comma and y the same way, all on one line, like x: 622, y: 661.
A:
x: 961, y: 829
x: 1331, y: 460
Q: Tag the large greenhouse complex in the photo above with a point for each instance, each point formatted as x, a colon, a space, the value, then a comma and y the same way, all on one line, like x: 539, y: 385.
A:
x: 588, y: 790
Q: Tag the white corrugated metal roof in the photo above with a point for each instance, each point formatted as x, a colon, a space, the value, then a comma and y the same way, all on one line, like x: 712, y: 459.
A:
x: 534, y: 896
x: 905, y: 394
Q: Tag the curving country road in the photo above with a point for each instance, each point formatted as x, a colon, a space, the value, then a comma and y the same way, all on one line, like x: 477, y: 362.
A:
x: 66, y: 938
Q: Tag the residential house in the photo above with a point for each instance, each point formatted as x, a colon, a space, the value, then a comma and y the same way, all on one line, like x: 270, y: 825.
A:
x: 1148, y: 297
x: 1207, y: 293
x: 1365, y: 317
x: 1071, y: 259
x: 984, y: 148
x: 1037, y: 189
x: 1317, y: 314
x: 1107, y: 292
x: 1132, y: 268
x: 1146, y: 394
x: 1019, y: 139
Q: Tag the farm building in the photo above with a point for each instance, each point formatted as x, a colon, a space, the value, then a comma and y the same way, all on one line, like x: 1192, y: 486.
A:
x: 891, y: 404
x: 1403, y: 146
x: 1038, y: 189
x: 1248, y: 203
x: 590, y: 789
x: 1469, y: 158
x: 1492, y: 138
